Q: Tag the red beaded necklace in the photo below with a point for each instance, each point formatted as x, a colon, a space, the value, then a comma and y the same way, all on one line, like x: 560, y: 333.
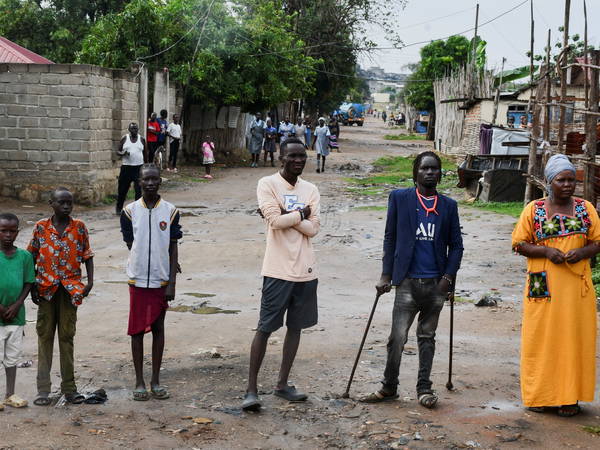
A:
x: 428, y: 210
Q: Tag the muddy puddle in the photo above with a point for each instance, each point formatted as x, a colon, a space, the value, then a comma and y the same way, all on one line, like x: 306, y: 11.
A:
x: 202, y: 308
x: 199, y: 294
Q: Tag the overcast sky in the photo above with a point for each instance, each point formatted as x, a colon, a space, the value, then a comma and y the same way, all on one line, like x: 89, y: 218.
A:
x: 507, y: 36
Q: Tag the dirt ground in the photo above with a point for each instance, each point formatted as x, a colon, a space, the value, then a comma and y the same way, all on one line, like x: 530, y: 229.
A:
x: 206, y: 356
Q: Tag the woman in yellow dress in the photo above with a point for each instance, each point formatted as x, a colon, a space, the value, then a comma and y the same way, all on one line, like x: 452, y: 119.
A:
x: 558, y: 235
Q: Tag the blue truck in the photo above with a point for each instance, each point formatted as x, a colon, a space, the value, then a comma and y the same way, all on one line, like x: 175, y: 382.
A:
x: 352, y: 113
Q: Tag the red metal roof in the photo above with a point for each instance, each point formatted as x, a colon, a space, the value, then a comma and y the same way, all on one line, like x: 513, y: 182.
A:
x: 13, y: 53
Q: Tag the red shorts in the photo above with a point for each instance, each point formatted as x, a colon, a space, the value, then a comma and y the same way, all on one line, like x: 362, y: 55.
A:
x: 145, y: 305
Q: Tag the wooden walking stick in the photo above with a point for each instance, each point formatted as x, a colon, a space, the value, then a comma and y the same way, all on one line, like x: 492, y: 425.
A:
x: 449, y: 384
x: 362, y: 343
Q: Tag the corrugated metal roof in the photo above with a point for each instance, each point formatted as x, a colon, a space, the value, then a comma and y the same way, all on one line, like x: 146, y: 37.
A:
x: 14, y: 53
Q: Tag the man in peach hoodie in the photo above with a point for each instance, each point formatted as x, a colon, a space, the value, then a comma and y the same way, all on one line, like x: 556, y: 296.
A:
x: 290, y: 207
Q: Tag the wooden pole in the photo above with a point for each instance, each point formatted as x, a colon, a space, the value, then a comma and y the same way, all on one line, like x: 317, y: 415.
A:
x: 474, y: 55
x: 590, y: 130
x: 476, y: 27
x: 563, y: 78
x: 585, y: 55
x: 548, y: 108
x: 531, y: 46
x: 531, y: 40
x: 535, y: 135
x: 497, y: 97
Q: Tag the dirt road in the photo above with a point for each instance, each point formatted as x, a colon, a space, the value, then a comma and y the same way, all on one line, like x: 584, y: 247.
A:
x: 206, y: 357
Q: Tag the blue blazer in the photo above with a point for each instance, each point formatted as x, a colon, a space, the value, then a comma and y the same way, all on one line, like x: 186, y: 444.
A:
x: 401, y: 235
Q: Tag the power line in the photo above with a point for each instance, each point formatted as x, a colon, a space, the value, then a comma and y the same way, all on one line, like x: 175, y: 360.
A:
x: 436, y: 19
x: 278, y: 54
x: 326, y: 72
x: 454, y: 34
x: 176, y: 42
x: 394, y: 48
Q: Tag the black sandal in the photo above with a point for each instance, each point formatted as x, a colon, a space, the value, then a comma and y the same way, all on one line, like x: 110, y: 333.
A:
x: 42, y: 399
x: 290, y: 394
x: 378, y: 397
x: 428, y: 399
x: 568, y: 410
x: 74, y: 398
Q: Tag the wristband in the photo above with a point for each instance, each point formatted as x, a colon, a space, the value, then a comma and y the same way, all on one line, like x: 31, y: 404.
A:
x: 448, y: 279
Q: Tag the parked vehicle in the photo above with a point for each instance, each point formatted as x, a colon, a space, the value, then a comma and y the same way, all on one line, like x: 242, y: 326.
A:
x: 352, y: 113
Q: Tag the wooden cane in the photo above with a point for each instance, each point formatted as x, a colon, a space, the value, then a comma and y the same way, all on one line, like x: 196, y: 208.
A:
x: 362, y: 343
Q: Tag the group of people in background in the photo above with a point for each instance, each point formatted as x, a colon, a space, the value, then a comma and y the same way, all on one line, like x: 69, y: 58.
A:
x: 263, y: 137
x: 159, y: 130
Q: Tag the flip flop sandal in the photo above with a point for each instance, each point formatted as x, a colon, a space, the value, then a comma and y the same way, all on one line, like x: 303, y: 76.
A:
x: 43, y: 399
x: 74, y: 398
x: 378, y: 397
x: 290, y: 394
x: 15, y: 401
x: 160, y: 393
x: 568, y: 410
x: 428, y: 399
x: 251, y: 402
x: 141, y: 395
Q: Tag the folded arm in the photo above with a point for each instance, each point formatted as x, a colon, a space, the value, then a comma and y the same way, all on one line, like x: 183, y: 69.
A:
x: 311, y: 225
x: 271, y: 210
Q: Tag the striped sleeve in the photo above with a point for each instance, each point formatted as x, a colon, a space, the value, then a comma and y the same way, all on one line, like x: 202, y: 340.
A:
x: 126, y: 226
x: 176, y: 232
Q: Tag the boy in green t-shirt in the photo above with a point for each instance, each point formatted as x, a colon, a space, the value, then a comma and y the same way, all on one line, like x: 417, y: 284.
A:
x: 16, y: 267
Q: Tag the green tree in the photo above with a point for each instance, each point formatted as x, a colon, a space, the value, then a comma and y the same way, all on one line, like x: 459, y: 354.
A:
x: 438, y: 59
x: 334, y: 32
x: 223, y: 53
x: 52, y: 28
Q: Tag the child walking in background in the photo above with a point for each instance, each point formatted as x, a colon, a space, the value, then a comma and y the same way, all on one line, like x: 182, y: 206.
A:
x: 59, y: 245
x: 333, y: 143
x: 208, y: 156
x: 16, y: 266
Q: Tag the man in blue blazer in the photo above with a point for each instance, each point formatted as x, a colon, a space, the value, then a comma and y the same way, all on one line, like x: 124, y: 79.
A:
x: 422, y: 250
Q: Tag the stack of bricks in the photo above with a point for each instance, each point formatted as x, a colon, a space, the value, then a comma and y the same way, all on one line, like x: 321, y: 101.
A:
x: 60, y: 125
x: 469, y: 143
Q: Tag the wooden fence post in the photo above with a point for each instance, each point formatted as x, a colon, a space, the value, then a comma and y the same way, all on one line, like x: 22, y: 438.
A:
x: 590, y: 130
x: 533, y: 145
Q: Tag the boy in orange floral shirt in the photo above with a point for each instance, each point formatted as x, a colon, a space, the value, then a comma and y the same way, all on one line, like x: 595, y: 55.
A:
x: 59, y: 245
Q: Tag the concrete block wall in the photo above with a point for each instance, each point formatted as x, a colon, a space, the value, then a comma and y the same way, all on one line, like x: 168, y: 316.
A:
x: 60, y: 125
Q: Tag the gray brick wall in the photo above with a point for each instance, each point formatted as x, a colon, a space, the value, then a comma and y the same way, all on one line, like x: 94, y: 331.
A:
x: 60, y: 125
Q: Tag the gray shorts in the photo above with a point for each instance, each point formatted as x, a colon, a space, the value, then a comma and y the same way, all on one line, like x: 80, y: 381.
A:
x: 298, y: 298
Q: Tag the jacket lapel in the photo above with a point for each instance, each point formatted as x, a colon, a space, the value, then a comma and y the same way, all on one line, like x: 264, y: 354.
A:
x: 412, y: 209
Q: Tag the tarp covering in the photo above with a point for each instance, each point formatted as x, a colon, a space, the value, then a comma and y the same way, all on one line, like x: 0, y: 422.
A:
x: 505, y: 135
